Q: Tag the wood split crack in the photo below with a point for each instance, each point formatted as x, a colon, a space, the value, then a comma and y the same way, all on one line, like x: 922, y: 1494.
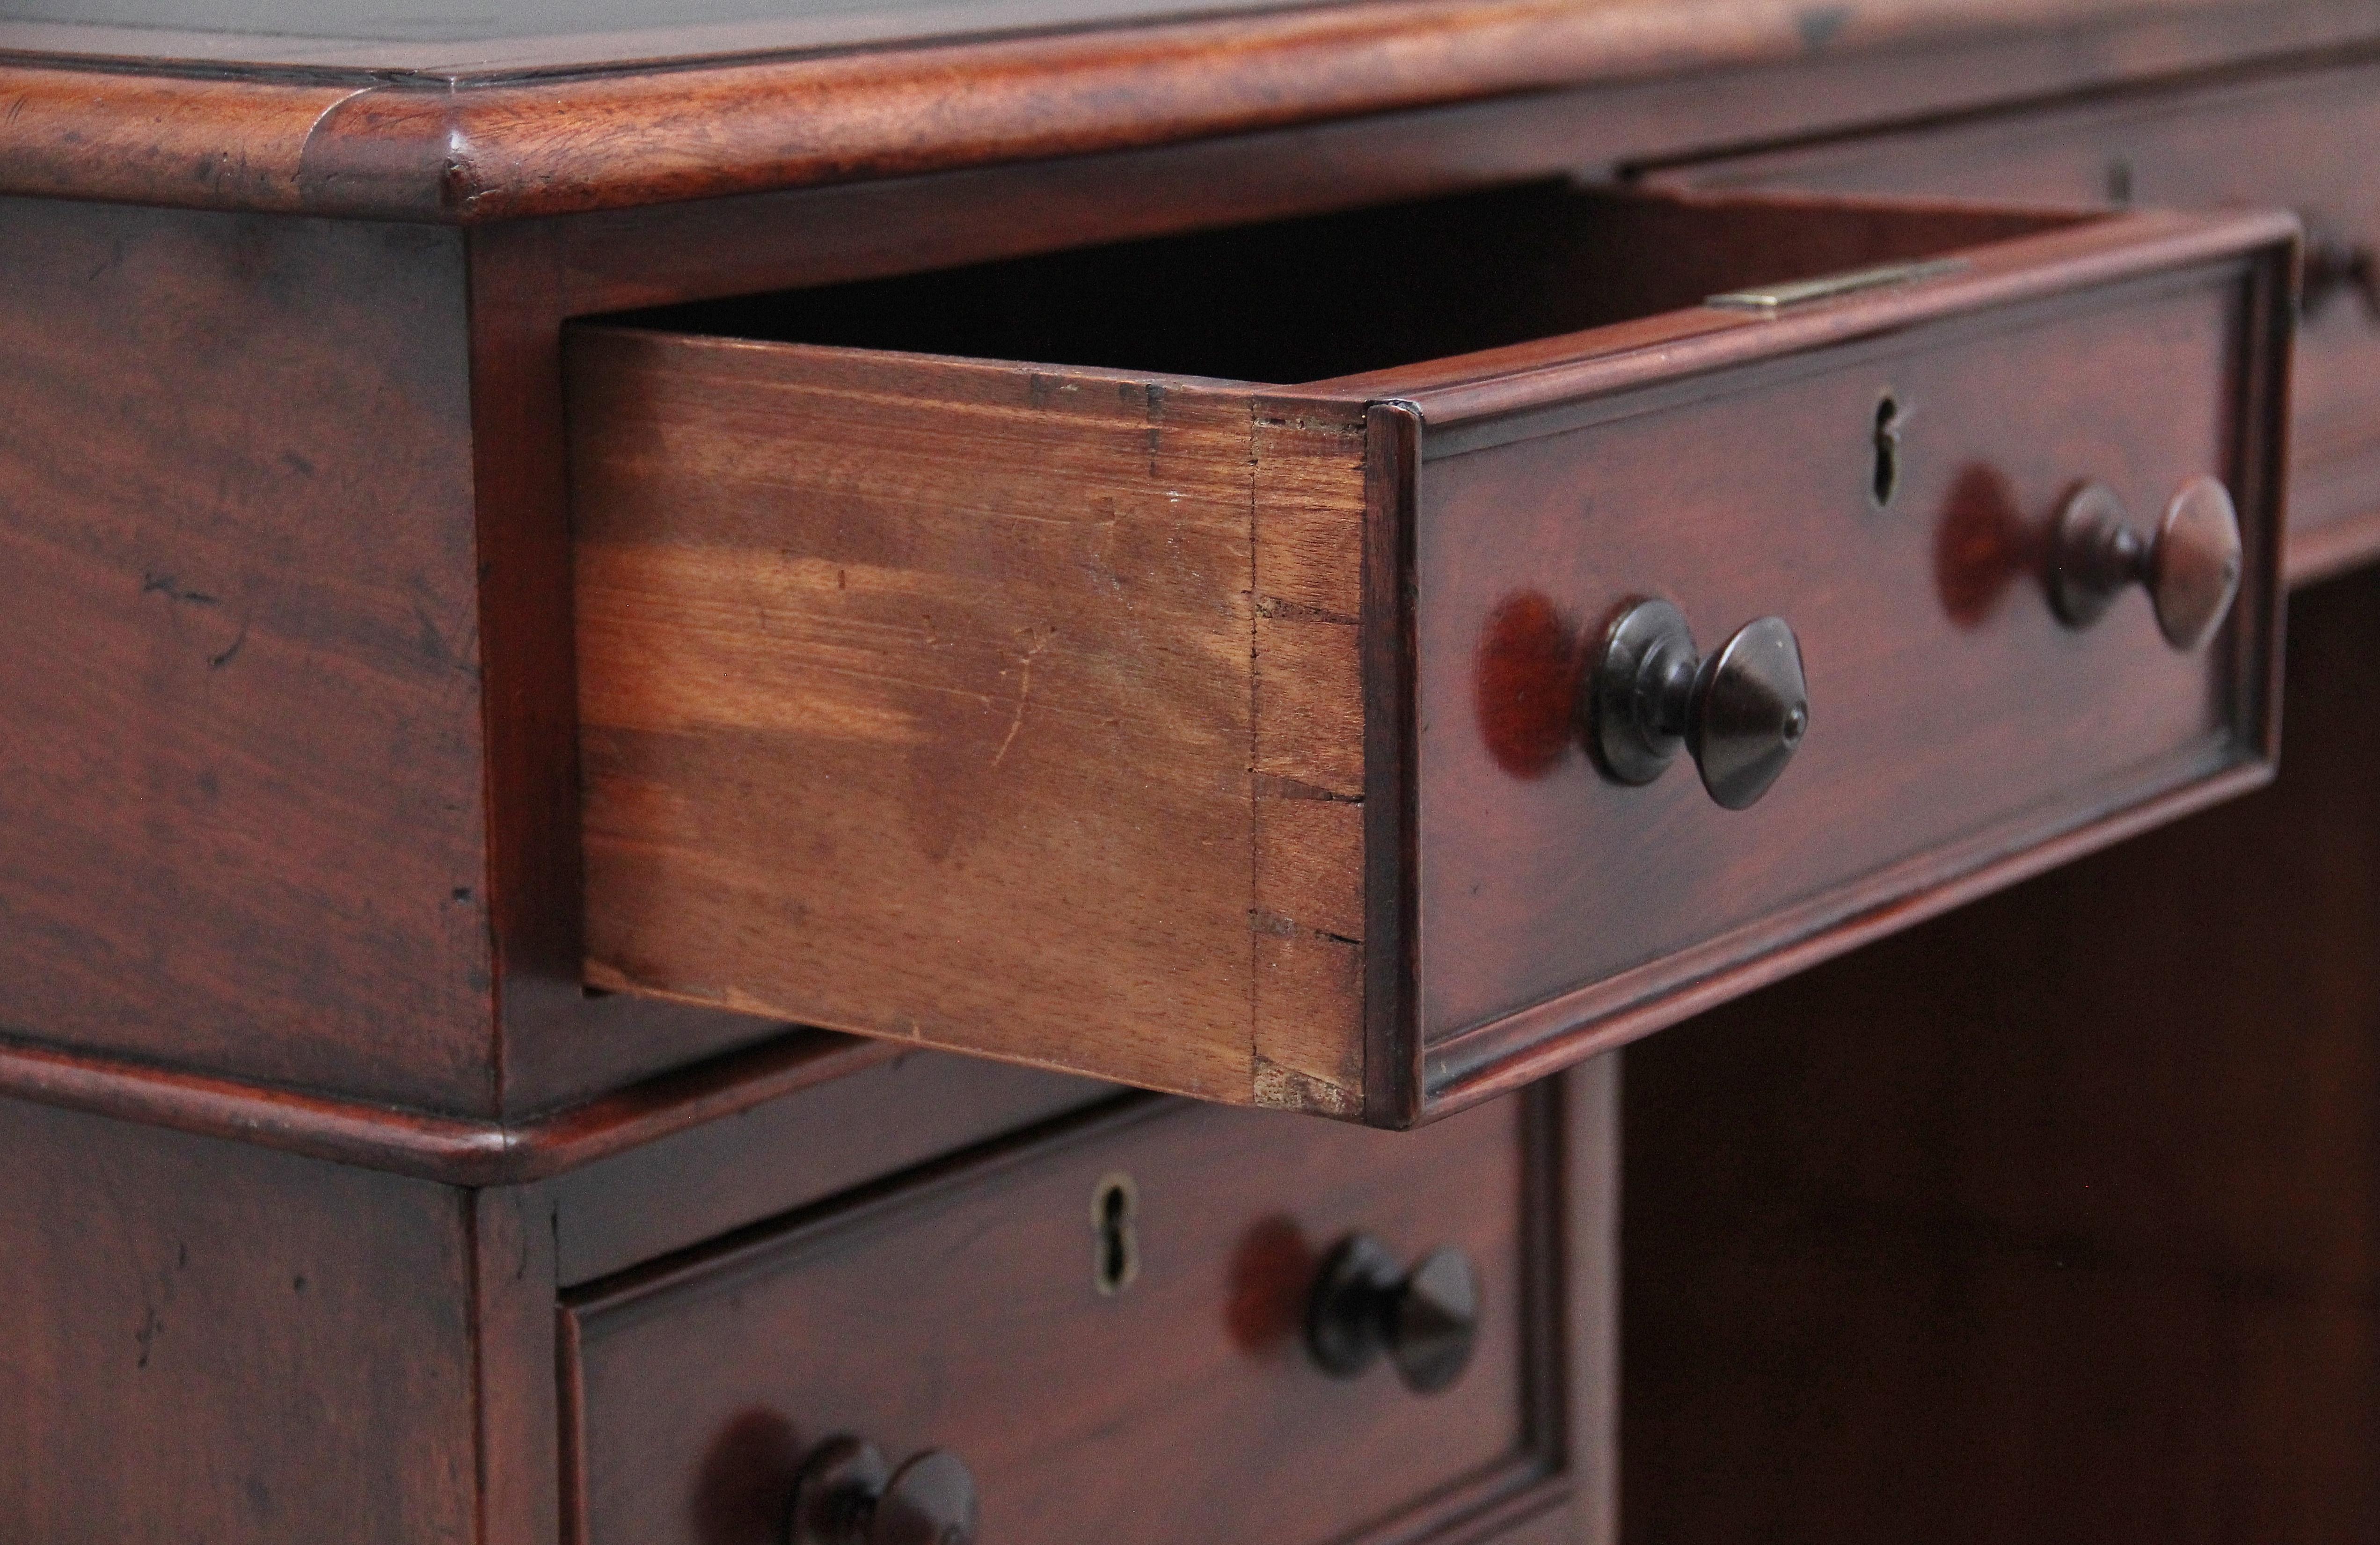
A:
x: 1273, y: 785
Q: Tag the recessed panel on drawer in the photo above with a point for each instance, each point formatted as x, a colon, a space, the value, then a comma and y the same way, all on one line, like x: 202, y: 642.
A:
x: 2302, y: 138
x: 1106, y: 1336
x: 1640, y: 598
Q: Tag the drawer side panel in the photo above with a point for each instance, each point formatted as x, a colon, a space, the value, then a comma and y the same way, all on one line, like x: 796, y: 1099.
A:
x: 917, y: 700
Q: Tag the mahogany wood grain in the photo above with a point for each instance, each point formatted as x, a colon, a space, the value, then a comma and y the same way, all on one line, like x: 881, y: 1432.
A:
x: 549, y: 1047
x: 557, y: 1048
x: 797, y: 1147
x: 555, y: 1045
x: 1067, y: 576
x: 1390, y: 664
x: 2299, y: 140
x: 170, y: 119
x: 700, y: 1382
x: 242, y: 823
x: 291, y: 782
x: 2055, y: 1218
x: 516, y: 1404
x: 971, y: 1102
x: 1955, y: 721
x: 210, y: 1341
x: 150, y: 136
x: 551, y: 1041
x: 1587, y: 1288
x: 630, y: 258
x: 820, y: 587
x: 310, y: 882
x: 1305, y: 766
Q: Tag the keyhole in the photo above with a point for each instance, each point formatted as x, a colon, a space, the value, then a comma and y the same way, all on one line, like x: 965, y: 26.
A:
x: 1884, y: 480
x: 1116, y: 1258
x: 2119, y: 182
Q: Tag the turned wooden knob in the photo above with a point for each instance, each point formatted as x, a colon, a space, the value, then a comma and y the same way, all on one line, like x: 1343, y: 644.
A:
x: 1425, y: 1321
x: 2189, y: 564
x: 1741, y: 711
x: 847, y: 1496
x: 2333, y: 267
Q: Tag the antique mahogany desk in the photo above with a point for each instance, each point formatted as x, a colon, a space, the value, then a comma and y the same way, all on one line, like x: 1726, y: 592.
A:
x: 902, y: 772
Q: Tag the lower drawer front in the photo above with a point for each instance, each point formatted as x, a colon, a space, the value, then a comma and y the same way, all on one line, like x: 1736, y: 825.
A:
x: 1107, y: 1329
x: 2305, y: 139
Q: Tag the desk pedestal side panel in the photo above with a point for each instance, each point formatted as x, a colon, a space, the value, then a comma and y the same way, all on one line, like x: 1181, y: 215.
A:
x: 241, y: 819
x: 210, y: 1341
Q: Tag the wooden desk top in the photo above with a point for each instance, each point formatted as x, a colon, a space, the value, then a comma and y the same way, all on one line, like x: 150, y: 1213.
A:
x: 568, y: 106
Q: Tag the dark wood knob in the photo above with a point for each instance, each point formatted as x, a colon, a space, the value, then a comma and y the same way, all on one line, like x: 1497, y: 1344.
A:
x: 2189, y: 564
x: 2336, y: 267
x: 1741, y: 711
x: 1427, y: 1320
x: 847, y: 1496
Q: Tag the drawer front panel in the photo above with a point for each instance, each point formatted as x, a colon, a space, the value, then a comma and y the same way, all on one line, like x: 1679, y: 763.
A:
x: 969, y: 1315
x: 1948, y: 701
x: 2304, y: 141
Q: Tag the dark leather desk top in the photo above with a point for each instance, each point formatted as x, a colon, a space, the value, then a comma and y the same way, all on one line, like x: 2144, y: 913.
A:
x: 424, y: 36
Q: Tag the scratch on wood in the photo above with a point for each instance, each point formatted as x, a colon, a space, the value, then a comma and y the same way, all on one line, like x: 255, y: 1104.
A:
x: 217, y: 661
x: 1023, y: 691
x: 1262, y: 921
x: 164, y: 585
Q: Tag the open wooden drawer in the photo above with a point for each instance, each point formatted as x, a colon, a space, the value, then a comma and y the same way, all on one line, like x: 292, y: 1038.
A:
x: 1278, y: 744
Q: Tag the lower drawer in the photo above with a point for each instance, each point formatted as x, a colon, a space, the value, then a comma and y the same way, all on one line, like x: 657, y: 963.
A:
x: 1108, y: 1328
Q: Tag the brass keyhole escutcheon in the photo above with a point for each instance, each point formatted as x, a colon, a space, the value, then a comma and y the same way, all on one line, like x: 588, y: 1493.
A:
x: 1115, y: 1226
x: 1884, y: 476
